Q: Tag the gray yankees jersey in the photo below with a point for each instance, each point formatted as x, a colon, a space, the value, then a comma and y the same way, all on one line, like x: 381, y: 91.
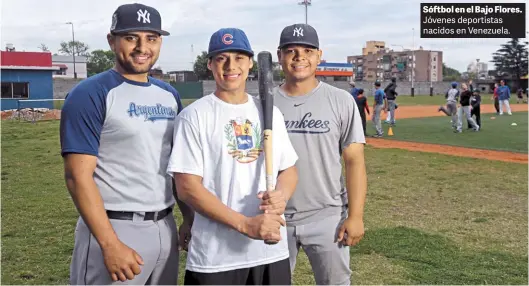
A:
x: 320, y: 125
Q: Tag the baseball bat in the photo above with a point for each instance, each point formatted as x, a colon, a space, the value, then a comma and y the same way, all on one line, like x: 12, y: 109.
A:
x: 266, y: 84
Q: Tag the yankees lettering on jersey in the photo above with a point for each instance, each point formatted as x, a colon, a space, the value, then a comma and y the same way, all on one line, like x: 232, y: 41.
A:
x: 308, y: 125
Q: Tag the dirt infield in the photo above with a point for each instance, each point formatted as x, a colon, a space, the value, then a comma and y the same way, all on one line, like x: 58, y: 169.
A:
x: 450, y: 150
x: 431, y: 110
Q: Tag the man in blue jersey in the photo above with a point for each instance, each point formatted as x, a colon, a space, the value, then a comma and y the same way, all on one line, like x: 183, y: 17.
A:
x: 116, y: 138
x: 354, y: 90
x: 380, y: 103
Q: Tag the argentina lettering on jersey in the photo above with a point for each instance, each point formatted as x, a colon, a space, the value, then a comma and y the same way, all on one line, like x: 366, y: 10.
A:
x: 151, y: 112
x: 308, y: 125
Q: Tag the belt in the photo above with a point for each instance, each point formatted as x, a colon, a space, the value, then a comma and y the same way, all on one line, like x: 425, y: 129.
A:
x: 155, y: 216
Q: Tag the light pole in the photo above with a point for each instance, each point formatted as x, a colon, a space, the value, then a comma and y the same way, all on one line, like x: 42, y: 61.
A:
x: 413, y: 64
x: 430, y: 69
x: 73, y: 50
x: 306, y: 3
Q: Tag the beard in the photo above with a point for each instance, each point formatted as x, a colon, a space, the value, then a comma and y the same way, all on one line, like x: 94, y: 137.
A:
x: 129, y: 67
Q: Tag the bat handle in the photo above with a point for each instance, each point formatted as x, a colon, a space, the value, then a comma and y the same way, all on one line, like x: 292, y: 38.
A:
x: 270, y: 188
x: 269, y: 169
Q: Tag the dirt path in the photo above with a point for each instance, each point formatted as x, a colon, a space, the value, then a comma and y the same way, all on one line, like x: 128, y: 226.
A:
x: 450, y: 150
x: 431, y: 110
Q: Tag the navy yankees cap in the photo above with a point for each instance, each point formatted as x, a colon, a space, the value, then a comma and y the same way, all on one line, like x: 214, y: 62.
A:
x: 136, y: 17
x: 300, y: 34
x: 229, y: 39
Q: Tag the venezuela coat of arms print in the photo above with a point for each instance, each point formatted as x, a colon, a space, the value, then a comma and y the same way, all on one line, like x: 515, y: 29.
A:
x: 244, y: 140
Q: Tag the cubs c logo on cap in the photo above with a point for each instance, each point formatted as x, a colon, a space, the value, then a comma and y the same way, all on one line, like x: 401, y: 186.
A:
x: 227, y: 39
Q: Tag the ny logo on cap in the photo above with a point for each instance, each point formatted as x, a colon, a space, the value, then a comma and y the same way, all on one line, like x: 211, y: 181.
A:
x: 298, y: 32
x: 145, y: 15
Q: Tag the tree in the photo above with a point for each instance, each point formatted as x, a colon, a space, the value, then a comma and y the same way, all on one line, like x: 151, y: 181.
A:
x: 99, y: 61
x: 44, y: 48
x: 511, y: 59
x: 255, y: 69
x: 201, y: 67
x: 450, y: 73
x: 81, y: 49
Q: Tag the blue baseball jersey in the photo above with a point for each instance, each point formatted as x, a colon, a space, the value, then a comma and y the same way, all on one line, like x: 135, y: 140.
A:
x: 379, y: 96
x: 129, y: 126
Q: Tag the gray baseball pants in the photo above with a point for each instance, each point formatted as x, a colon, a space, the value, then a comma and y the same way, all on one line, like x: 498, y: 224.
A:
x: 376, y: 118
x: 155, y: 241
x: 466, y: 111
x: 391, y: 105
x: 451, y: 110
x: 329, y: 259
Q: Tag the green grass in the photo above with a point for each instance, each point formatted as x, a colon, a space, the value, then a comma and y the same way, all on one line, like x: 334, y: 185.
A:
x: 497, y: 134
x: 430, y: 219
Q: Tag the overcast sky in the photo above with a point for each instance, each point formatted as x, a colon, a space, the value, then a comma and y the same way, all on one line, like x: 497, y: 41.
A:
x: 343, y: 26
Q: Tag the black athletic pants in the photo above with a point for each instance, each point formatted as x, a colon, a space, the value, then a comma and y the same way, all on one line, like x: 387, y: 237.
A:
x: 363, y: 116
x: 496, y: 105
x: 476, y: 111
x: 277, y: 273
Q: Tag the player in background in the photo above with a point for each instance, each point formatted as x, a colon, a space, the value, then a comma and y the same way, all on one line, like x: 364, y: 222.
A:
x: 504, y: 94
x: 452, y: 95
x: 519, y: 94
x: 379, y: 105
x: 221, y: 175
x: 475, y: 103
x: 363, y: 107
x: 496, y: 99
x: 354, y: 89
x: 325, y: 214
x: 391, y: 96
x: 116, y: 133
x: 464, y: 109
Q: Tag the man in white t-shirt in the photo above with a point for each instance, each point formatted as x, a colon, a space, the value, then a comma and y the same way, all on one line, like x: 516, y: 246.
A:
x: 218, y: 166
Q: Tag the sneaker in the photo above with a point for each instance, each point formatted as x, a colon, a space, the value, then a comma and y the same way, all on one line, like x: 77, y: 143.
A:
x: 439, y: 109
x: 458, y: 131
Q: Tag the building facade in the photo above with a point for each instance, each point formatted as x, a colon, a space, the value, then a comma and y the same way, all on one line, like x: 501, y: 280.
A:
x: 335, y: 71
x: 383, y: 64
x: 65, y: 65
x: 373, y: 47
x: 26, y: 76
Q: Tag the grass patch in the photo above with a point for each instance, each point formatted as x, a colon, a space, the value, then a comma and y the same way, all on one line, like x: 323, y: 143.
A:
x: 497, y: 134
x: 429, y: 218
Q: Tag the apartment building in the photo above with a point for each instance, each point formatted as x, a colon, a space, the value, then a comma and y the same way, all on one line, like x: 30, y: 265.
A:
x: 381, y: 63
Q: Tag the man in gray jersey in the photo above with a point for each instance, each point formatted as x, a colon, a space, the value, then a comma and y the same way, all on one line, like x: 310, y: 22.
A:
x: 325, y: 215
x: 451, y: 104
x: 116, y: 135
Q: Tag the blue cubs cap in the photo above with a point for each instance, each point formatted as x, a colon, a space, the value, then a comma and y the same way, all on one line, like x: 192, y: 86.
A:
x: 454, y: 84
x: 229, y: 39
x: 136, y: 17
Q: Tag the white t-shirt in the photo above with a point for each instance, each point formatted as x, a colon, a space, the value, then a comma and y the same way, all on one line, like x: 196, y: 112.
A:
x: 222, y: 143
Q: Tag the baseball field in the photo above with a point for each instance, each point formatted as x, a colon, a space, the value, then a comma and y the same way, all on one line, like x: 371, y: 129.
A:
x: 442, y: 208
